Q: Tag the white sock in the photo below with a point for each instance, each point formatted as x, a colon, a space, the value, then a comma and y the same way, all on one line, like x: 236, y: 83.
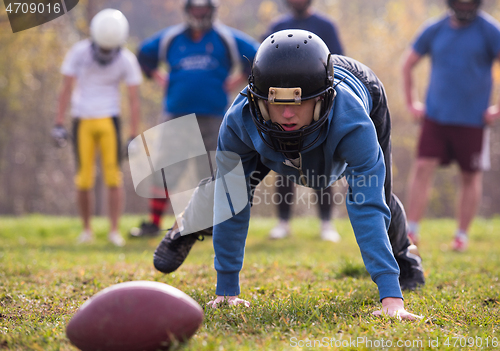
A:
x: 461, y: 233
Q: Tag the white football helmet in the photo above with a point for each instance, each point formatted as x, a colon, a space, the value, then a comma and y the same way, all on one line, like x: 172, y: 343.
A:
x: 109, y: 29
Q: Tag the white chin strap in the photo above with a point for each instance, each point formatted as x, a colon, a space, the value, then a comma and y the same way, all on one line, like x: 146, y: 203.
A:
x: 265, y: 113
x: 317, y: 110
x: 263, y: 110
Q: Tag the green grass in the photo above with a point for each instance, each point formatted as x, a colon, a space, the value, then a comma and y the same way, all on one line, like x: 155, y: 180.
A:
x: 300, y: 288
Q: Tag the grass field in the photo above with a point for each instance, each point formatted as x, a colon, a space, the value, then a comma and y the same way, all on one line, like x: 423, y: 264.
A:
x: 305, y: 293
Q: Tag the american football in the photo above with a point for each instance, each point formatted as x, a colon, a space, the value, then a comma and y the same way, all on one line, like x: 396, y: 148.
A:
x: 134, y: 316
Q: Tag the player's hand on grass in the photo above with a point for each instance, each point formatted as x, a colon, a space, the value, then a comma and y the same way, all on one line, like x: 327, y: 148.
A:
x: 394, y: 307
x: 231, y: 301
x: 491, y: 114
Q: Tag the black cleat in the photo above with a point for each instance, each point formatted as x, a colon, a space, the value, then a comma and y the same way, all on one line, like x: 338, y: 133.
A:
x: 146, y: 229
x: 173, y: 249
x: 411, y: 271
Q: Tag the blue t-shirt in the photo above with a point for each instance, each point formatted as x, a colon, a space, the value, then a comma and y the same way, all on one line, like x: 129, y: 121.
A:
x: 198, y: 70
x: 319, y: 25
x: 461, y: 80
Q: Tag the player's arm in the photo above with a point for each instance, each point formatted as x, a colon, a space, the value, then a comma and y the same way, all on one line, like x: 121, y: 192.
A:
x: 229, y: 239
x: 492, y: 113
x: 64, y: 99
x: 59, y: 134
x: 247, y: 47
x: 149, y: 61
x: 229, y: 236
x: 417, y: 108
x: 148, y: 57
x: 368, y: 212
x: 134, y: 101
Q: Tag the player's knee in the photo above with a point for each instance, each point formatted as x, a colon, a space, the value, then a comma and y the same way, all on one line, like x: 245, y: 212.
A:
x: 84, y: 182
x: 426, y: 166
x: 112, y: 178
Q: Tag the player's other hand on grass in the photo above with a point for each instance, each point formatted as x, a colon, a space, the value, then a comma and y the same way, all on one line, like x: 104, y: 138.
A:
x: 231, y: 301
x: 394, y: 307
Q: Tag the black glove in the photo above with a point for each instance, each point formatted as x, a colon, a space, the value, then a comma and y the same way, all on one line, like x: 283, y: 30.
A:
x: 60, y: 136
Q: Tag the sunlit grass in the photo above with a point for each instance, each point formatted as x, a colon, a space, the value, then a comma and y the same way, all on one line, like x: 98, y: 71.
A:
x: 304, y: 292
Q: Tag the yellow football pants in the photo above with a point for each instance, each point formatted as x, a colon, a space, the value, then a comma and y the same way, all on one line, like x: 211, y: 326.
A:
x: 102, y: 134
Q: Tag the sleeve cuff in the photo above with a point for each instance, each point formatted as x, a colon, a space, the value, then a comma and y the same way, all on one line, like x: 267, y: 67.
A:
x: 228, y: 284
x: 388, y: 286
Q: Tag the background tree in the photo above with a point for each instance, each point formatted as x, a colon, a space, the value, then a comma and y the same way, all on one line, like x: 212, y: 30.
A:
x: 37, y: 177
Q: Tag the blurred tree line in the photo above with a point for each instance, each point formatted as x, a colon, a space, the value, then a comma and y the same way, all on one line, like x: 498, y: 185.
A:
x: 37, y: 177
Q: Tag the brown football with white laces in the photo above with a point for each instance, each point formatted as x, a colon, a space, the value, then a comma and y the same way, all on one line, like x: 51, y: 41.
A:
x: 134, y: 316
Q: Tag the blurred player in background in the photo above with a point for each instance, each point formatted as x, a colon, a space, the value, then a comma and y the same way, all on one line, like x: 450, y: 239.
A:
x: 206, y: 62
x: 92, y: 72
x: 462, y: 46
x: 304, y: 17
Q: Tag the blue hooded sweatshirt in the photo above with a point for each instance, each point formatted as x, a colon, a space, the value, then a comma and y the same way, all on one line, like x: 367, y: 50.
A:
x: 347, y: 147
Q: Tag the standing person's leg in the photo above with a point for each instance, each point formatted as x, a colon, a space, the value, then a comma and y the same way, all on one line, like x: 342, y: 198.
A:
x: 84, y: 147
x: 286, y: 190
x: 473, y: 157
x: 157, y: 205
x: 109, y: 142
x: 325, y: 204
x: 433, y: 150
x: 209, y: 128
x: 471, y: 188
x: 115, y: 206
x: 419, y: 187
x: 85, y: 208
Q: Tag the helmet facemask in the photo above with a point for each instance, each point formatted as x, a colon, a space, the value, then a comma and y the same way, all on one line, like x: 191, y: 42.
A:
x: 289, y: 142
x: 200, y: 14
x: 104, y: 56
x: 290, y: 67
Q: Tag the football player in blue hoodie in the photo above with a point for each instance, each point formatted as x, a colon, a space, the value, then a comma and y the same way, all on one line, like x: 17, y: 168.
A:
x: 315, y: 118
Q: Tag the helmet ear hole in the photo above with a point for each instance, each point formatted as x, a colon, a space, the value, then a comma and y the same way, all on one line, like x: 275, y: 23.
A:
x: 317, y: 110
x: 263, y: 110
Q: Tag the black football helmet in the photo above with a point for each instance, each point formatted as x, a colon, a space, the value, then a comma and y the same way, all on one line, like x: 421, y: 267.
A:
x: 204, y: 22
x: 291, y: 66
x: 465, y: 10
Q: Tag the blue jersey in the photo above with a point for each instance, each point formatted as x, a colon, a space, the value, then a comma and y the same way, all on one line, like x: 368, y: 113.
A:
x: 198, y: 69
x: 461, y: 78
x: 347, y: 147
x: 319, y: 25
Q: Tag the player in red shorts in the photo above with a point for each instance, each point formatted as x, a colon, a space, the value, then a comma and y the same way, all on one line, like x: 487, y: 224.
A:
x: 462, y: 45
